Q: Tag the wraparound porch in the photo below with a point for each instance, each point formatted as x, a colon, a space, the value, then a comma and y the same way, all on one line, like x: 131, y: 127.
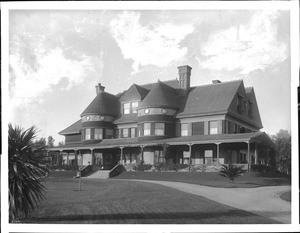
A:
x: 244, y: 149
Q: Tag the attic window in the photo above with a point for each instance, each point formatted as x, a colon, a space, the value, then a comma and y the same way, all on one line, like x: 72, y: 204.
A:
x: 130, y: 107
x: 126, y: 108
x: 134, y: 105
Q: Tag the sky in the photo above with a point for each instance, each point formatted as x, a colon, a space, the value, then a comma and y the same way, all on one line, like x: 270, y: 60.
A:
x: 56, y: 58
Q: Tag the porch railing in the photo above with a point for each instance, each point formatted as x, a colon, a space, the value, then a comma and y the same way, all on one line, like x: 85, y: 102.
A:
x: 86, y: 169
x: 116, y: 170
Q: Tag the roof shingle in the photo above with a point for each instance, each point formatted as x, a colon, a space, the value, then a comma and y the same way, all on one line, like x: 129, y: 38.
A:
x: 72, y: 129
x: 161, y: 95
x: 211, y: 98
x: 103, y: 104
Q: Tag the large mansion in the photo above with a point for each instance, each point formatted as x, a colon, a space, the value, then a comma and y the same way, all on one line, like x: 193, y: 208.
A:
x: 217, y: 123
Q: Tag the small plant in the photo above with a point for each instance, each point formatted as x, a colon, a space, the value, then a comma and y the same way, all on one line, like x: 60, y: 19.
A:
x: 231, y: 172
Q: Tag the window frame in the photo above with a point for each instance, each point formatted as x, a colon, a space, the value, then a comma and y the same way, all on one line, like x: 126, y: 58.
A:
x: 214, y: 128
x: 184, y: 130
x: 85, y: 134
x: 125, y: 135
x: 101, y: 134
x: 148, y: 130
x: 159, y: 131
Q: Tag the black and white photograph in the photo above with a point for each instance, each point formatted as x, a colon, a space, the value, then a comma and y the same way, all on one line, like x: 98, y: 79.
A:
x: 181, y: 116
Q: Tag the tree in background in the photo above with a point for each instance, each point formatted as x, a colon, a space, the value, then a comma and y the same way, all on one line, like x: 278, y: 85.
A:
x: 25, y: 171
x: 50, y: 142
x: 282, y: 141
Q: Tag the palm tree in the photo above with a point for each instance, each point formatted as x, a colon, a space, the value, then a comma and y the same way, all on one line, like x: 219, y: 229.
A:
x: 231, y: 172
x: 25, y: 171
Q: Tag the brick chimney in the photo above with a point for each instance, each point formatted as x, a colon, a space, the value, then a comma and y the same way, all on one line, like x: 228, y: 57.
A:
x: 99, y: 88
x: 184, y: 77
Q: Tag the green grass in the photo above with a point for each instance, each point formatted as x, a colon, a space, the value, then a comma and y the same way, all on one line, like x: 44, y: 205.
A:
x: 247, y: 180
x: 120, y: 201
x: 286, y: 196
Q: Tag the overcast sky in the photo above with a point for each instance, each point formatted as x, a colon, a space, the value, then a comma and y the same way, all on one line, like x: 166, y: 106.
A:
x: 57, y: 58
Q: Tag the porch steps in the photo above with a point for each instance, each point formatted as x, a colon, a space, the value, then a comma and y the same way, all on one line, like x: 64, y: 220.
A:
x: 99, y: 174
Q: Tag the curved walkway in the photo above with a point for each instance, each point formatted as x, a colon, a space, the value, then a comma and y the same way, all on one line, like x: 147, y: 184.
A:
x: 263, y: 201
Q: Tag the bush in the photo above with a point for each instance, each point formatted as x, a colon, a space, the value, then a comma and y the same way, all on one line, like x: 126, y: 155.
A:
x: 142, y: 167
x: 65, y: 167
x: 169, y: 166
x: 262, y: 168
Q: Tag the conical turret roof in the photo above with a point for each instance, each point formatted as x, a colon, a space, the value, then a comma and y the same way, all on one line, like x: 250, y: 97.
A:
x: 161, y: 95
x: 103, y: 104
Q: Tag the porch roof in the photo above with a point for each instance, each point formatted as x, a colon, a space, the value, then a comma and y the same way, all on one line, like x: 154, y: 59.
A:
x: 259, y: 137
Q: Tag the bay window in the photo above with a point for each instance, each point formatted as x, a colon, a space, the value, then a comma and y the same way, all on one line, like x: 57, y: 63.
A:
x: 147, y: 129
x: 87, y: 135
x: 159, y: 128
x: 98, y: 134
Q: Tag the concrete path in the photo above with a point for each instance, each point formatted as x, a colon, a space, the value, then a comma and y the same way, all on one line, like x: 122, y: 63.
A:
x: 263, y: 201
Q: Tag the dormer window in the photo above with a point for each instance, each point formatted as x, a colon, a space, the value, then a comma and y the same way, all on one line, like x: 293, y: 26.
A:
x: 134, y: 105
x: 126, y: 108
x: 130, y: 107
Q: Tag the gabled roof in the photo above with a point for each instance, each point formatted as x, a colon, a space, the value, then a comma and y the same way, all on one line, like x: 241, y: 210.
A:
x: 135, y: 92
x: 161, y: 95
x: 72, y: 129
x: 212, y: 98
x: 103, y: 104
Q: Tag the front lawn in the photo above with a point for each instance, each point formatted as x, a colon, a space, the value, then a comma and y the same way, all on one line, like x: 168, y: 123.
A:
x: 120, y: 201
x: 247, y: 180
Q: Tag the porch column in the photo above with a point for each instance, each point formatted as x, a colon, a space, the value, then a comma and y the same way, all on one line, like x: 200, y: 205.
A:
x: 190, y: 155
x: 121, y: 159
x: 142, y: 153
x: 255, y: 155
x: 218, y: 152
x: 248, y: 156
x: 60, y: 158
x: 68, y: 158
x: 76, y: 157
x: 92, y: 153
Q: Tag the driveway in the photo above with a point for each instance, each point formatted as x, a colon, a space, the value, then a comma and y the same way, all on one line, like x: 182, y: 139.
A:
x: 263, y: 201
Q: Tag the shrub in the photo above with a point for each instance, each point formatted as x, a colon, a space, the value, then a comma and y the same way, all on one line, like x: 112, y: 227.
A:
x: 169, y: 166
x: 65, y: 167
x: 231, y: 172
x: 142, y: 167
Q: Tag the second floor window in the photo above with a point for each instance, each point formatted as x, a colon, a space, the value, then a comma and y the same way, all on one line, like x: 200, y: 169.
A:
x: 147, y: 129
x: 87, y: 135
x: 98, y: 134
x: 184, y: 129
x: 132, y: 132
x: 159, y: 128
x: 213, y: 127
x: 125, y: 133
